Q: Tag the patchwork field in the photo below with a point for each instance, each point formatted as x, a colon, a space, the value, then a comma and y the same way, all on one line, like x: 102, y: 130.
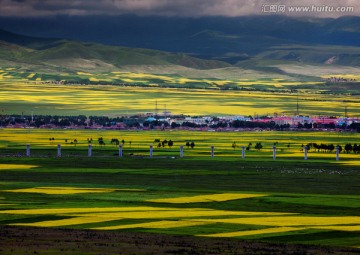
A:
x: 26, y: 92
x: 191, y: 197
x: 200, y: 200
x: 288, y: 200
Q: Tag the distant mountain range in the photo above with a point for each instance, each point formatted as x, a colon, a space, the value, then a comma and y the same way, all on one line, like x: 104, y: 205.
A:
x: 52, y: 53
x: 201, y: 43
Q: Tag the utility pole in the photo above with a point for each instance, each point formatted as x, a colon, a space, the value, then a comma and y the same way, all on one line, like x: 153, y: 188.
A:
x: 346, y: 111
x: 156, y: 108
x: 297, y: 104
x: 3, y: 118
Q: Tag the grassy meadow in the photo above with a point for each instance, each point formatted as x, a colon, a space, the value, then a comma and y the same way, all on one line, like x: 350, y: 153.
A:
x: 287, y: 200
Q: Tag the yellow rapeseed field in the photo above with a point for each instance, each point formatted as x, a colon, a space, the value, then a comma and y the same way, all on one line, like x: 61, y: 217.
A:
x: 292, y: 221
x: 186, y: 217
x: 190, y: 217
x: 128, y: 80
x: 83, y: 73
x: 64, y: 222
x: 206, y: 198
x: 349, y: 163
x: 140, y: 212
x: 62, y: 190
x: 278, y: 84
x: 177, y: 213
x: 112, y: 98
x: 15, y: 167
x: 93, y: 79
x: 125, y: 75
x: 255, y: 232
x: 345, y: 76
x: 157, y: 225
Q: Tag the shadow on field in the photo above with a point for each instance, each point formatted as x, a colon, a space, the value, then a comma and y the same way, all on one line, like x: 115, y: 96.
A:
x: 24, y: 240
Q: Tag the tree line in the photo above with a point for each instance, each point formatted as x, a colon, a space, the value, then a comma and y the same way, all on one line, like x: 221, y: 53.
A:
x: 348, y: 148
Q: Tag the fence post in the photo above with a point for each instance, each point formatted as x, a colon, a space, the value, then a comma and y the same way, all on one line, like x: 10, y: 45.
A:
x: 337, y: 152
x: 151, y: 151
x: 181, y: 151
x: 274, y: 152
x: 120, y: 151
x: 212, y: 151
x: 28, y: 150
x: 305, y: 152
x: 89, y: 150
x: 59, y: 150
x: 243, y: 151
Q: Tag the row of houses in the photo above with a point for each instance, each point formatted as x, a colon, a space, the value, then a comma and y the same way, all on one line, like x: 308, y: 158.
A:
x: 324, y: 120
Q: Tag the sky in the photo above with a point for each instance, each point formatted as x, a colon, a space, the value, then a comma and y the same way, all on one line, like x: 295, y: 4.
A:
x: 178, y: 8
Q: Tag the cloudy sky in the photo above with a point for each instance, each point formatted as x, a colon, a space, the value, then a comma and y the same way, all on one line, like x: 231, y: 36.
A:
x: 187, y: 8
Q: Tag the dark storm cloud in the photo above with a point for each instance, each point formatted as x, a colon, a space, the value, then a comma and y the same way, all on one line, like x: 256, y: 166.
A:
x: 192, y: 8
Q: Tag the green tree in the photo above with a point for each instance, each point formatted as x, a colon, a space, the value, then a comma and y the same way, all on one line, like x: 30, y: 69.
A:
x: 234, y: 145
x: 348, y: 148
x: 258, y: 146
x: 115, y: 141
x: 356, y: 148
x: 101, y: 141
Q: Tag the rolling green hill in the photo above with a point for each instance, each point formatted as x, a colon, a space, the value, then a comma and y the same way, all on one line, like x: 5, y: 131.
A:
x: 79, y: 55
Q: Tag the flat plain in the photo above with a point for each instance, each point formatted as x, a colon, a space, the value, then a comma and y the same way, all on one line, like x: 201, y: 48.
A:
x: 192, y: 205
x: 132, y: 93
x: 288, y: 200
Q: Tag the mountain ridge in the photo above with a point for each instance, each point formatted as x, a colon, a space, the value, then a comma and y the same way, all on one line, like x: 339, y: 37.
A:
x: 39, y: 51
x: 201, y: 43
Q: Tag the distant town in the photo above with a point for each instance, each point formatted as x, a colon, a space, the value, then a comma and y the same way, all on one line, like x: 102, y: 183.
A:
x: 165, y: 121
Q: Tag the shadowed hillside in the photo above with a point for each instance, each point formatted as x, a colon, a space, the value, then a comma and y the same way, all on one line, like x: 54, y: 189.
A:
x: 223, y: 38
x: 62, y: 53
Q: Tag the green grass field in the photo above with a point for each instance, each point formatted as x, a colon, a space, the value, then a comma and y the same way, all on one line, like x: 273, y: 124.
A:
x: 287, y: 200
